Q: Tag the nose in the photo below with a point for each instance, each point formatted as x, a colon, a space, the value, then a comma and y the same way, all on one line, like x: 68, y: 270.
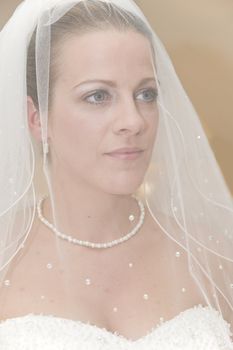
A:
x: 129, y: 119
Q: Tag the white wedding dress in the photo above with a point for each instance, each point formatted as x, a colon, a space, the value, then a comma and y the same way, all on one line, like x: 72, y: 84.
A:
x: 198, y: 328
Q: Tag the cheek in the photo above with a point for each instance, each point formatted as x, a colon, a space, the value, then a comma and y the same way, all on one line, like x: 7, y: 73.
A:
x: 76, y: 143
x: 153, y: 124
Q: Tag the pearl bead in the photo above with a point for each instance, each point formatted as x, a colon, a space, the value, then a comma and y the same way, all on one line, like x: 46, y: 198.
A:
x: 145, y: 296
x: 88, y: 281
x: 131, y: 218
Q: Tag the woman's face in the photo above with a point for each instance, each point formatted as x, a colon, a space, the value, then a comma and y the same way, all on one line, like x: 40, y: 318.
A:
x: 103, y: 117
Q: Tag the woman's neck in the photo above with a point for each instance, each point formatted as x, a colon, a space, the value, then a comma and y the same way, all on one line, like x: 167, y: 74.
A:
x: 90, y: 214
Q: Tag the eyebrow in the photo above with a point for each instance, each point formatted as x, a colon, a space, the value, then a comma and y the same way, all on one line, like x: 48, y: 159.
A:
x: 112, y: 83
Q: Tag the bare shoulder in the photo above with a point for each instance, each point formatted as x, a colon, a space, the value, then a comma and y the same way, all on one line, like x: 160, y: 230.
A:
x: 168, y: 253
x: 24, y: 275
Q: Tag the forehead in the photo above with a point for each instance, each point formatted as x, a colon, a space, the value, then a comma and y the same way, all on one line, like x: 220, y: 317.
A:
x: 105, y: 53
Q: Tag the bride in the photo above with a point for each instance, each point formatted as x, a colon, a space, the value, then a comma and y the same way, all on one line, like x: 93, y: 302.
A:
x: 127, y: 244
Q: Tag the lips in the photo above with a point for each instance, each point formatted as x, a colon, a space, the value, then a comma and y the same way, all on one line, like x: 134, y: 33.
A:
x: 126, y: 153
x: 126, y: 150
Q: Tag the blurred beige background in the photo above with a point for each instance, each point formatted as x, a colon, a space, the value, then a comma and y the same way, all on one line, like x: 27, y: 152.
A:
x: 198, y: 36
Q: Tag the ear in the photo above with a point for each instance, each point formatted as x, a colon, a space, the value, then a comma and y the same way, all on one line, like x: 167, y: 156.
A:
x: 33, y: 119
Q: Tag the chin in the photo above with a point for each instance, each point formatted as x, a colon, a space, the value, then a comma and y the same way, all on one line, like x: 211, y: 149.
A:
x: 125, y: 188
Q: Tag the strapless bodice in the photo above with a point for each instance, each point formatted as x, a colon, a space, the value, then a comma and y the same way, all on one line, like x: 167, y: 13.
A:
x: 198, y: 328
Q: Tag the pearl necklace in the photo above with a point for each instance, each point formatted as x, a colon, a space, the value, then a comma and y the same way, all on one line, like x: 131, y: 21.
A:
x: 91, y: 244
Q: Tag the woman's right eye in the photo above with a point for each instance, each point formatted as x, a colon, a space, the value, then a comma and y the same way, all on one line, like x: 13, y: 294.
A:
x: 97, y: 97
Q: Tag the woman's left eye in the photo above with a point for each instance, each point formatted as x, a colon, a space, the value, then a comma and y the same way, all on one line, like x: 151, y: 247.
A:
x: 147, y: 95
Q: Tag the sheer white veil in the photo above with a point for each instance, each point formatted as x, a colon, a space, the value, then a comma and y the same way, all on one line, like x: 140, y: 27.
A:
x: 183, y: 185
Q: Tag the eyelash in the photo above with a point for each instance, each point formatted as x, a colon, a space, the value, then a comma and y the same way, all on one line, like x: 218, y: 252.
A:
x: 151, y: 90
